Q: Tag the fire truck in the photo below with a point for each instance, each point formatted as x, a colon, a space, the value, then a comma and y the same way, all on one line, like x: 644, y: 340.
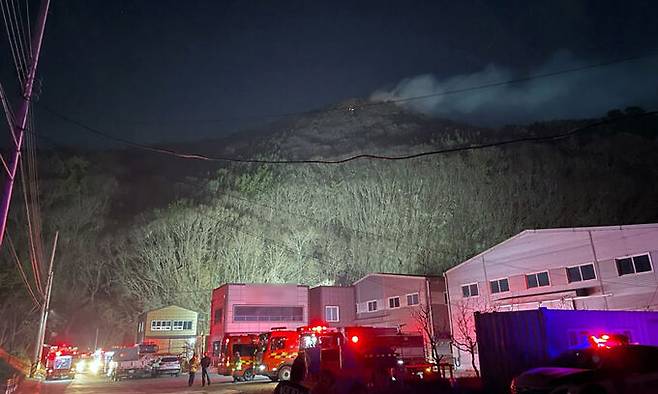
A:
x: 237, y: 356
x: 361, y: 354
x: 59, y: 361
x: 277, y: 349
x: 366, y: 355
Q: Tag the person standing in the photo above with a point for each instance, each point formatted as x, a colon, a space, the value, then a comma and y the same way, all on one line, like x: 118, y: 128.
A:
x: 205, y: 363
x: 194, y: 366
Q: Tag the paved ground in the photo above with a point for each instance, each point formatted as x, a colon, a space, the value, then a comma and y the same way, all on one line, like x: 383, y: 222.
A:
x: 88, y: 384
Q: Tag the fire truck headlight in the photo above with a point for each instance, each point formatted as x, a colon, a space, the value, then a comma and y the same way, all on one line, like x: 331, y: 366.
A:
x: 95, y: 366
x: 80, y: 367
x: 261, y: 367
x: 400, y: 362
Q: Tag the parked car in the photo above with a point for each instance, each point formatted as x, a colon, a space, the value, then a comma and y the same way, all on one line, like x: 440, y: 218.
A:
x: 597, y: 370
x: 167, y: 365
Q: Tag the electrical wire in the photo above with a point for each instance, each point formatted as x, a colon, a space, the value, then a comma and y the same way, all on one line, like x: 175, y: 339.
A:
x: 357, y: 106
x: 33, y: 168
x: 19, y: 265
x: 29, y: 28
x: 25, y: 33
x: 19, y: 31
x: 12, y: 44
x: 462, y: 148
x: 33, y: 257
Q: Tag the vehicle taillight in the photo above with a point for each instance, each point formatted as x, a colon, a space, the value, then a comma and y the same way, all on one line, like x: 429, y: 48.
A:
x: 355, y: 339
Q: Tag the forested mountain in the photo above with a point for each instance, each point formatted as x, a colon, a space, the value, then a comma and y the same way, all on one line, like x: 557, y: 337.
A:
x: 140, y: 230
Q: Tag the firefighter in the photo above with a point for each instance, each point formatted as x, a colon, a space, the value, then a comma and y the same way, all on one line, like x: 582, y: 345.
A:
x: 194, y: 366
x: 237, y: 361
x: 205, y: 363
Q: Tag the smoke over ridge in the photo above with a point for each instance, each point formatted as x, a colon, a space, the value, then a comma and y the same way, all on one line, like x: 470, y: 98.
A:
x: 587, y: 93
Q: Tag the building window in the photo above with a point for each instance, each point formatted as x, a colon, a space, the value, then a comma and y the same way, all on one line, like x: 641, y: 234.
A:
x: 633, y: 264
x: 160, y: 325
x: 581, y: 273
x: 412, y: 299
x: 394, y: 302
x: 331, y: 313
x: 179, y: 325
x: 499, y: 285
x: 268, y: 313
x: 470, y: 290
x: 218, y: 315
x: 372, y: 306
x: 538, y: 279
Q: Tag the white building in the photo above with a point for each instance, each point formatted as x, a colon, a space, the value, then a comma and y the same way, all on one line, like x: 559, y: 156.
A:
x: 599, y: 268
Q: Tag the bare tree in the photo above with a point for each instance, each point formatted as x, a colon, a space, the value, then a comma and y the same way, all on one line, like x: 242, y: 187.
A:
x: 463, y: 320
x: 423, y: 316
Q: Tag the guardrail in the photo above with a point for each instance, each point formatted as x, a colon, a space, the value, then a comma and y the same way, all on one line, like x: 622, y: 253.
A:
x: 21, y: 368
x: 12, y: 384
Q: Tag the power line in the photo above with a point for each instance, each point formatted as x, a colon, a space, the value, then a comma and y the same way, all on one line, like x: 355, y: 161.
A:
x: 412, y: 98
x: 523, y: 79
x: 19, y: 265
x: 202, y: 157
x: 9, y: 28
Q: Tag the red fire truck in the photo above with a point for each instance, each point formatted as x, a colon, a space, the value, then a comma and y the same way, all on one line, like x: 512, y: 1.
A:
x: 59, y: 361
x: 363, y: 354
x: 371, y: 356
x: 237, y: 356
x: 277, y: 350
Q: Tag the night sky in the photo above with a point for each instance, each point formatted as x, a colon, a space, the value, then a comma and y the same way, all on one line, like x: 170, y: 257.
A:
x: 184, y: 70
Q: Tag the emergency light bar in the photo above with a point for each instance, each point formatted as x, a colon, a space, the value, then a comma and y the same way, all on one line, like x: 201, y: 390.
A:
x: 607, y: 341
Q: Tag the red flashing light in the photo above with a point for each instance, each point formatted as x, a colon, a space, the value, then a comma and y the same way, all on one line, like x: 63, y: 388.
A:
x: 355, y: 339
x: 606, y: 341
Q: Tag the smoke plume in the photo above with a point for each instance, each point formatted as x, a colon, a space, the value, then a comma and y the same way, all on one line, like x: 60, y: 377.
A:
x: 588, y: 93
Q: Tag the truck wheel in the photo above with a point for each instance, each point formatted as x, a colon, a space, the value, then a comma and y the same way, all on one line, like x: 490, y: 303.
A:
x: 248, y: 375
x: 284, y: 373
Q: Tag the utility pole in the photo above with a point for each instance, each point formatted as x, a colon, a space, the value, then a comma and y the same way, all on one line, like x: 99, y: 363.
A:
x: 96, y: 340
x: 20, y: 120
x: 44, y: 310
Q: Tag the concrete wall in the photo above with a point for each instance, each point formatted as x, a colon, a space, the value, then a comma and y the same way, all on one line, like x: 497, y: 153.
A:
x: 228, y: 296
x: 322, y: 296
x: 553, y: 251
x: 382, y: 287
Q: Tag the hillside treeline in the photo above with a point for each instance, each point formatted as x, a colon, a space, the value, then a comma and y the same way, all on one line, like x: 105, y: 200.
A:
x: 312, y: 224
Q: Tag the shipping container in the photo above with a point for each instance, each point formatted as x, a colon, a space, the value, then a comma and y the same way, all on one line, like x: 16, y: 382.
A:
x: 512, y: 342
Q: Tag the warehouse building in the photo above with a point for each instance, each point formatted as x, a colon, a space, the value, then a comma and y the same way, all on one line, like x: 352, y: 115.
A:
x: 594, y: 268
